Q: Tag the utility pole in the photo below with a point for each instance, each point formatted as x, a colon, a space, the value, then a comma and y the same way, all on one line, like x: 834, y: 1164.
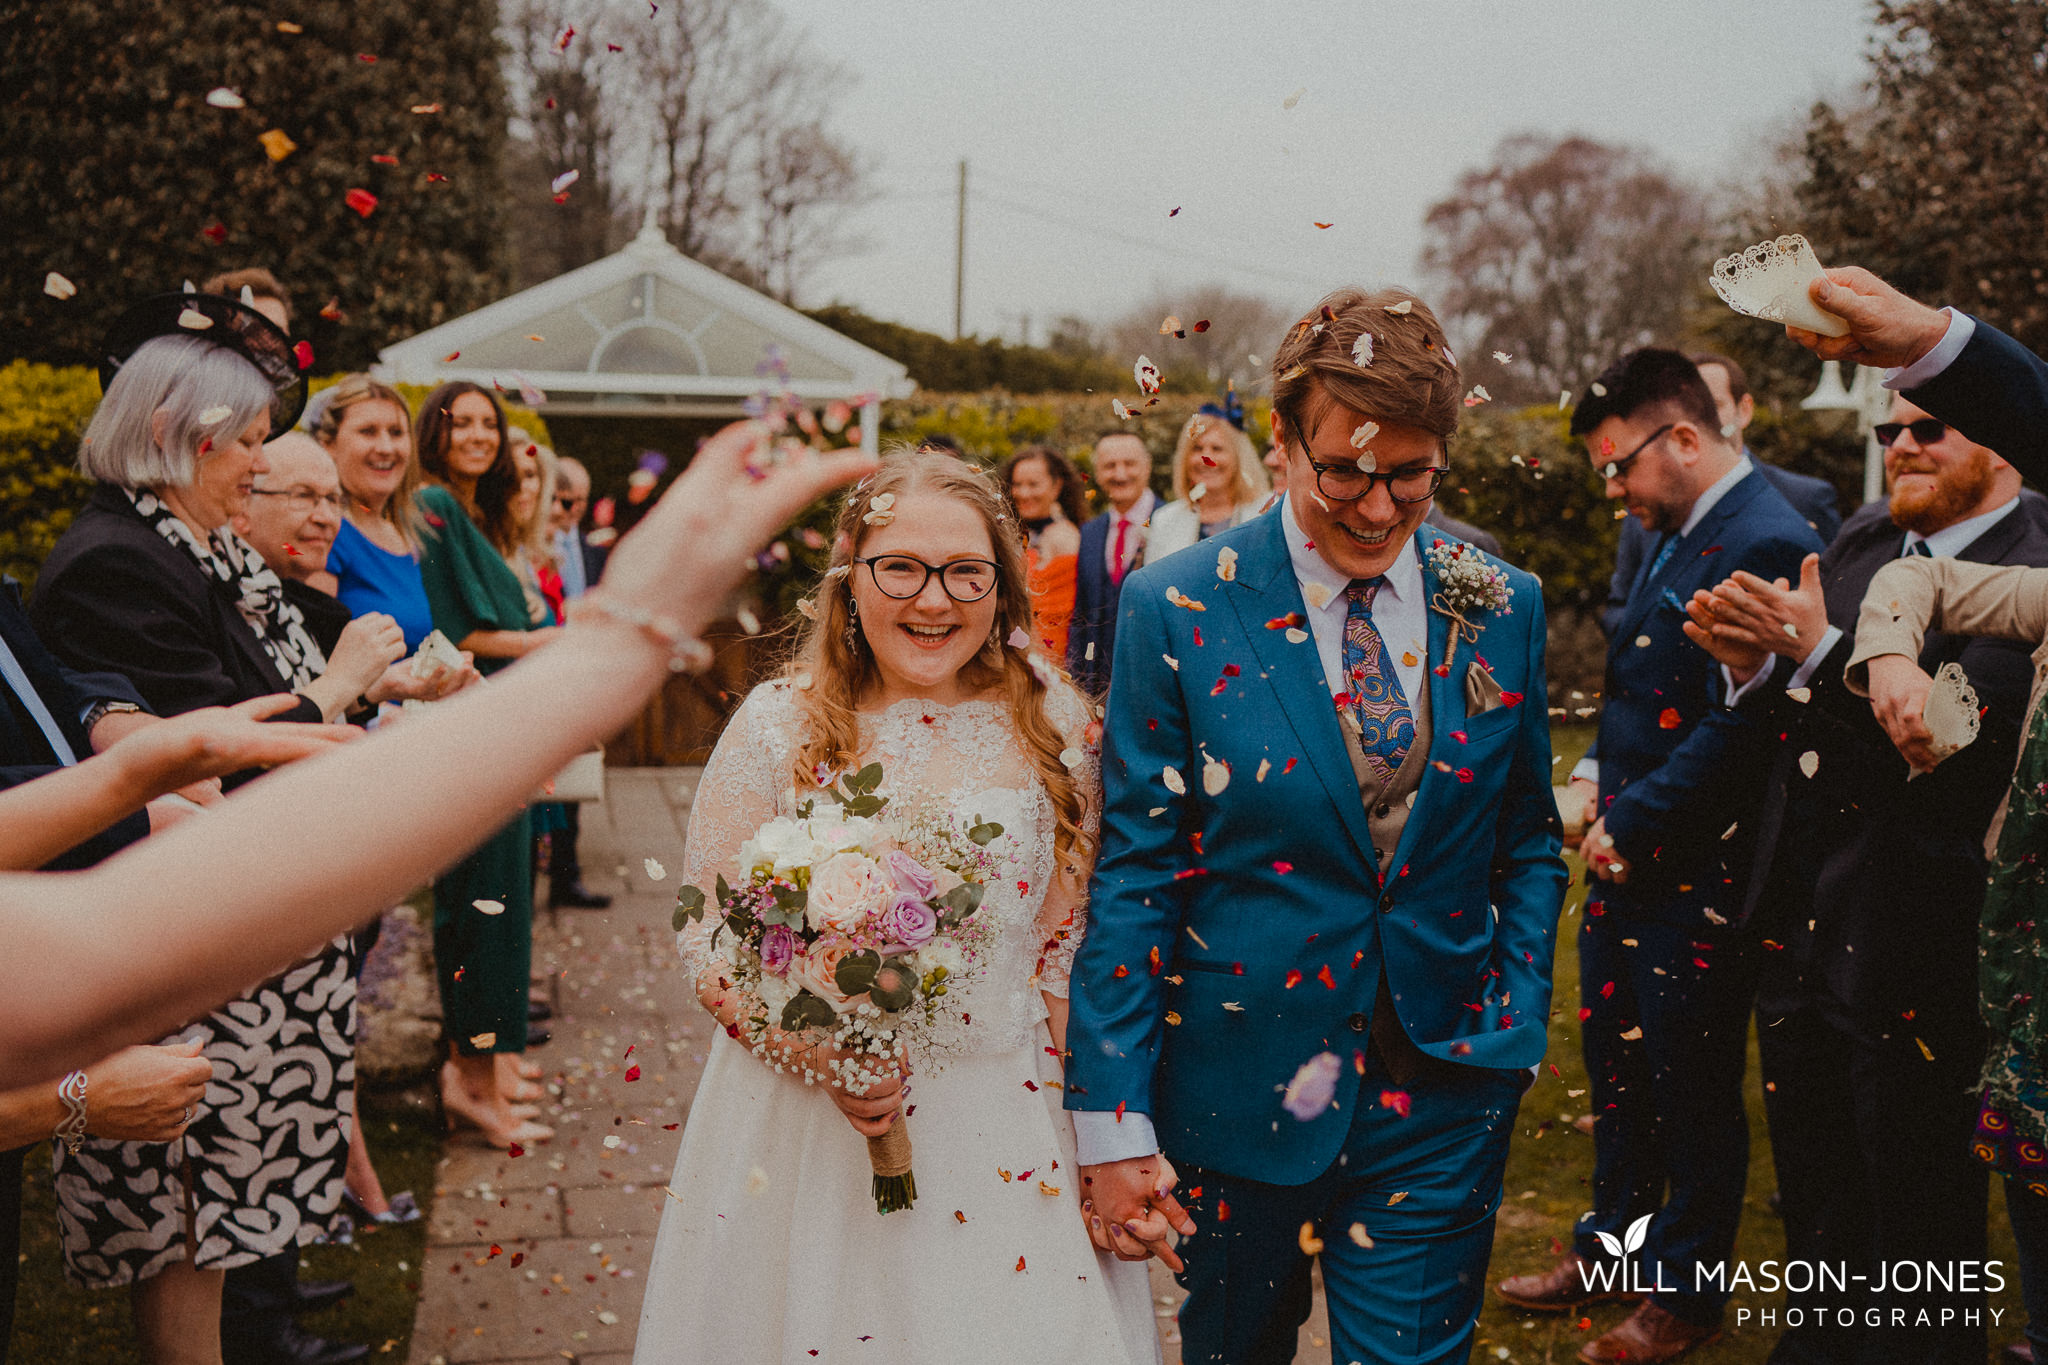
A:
x: 960, y: 258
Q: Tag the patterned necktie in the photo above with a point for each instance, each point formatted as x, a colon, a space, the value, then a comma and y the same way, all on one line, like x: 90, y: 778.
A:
x: 1386, y: 726
x: 1664, y: 553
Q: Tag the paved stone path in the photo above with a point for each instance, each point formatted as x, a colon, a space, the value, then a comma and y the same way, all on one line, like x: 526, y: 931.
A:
x: 542, y: 1257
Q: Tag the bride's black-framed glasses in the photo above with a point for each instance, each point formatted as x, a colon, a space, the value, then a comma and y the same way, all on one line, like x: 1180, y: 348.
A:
x: 904, y: 576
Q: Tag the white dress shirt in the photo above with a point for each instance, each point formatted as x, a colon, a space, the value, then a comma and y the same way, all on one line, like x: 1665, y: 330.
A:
x: 1134, y: 539
x: 1401, y: 616
x: 1961, y: 327
x: 569, y: 549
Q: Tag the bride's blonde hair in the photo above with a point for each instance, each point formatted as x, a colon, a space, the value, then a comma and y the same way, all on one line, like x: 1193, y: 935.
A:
x: 833, y: 652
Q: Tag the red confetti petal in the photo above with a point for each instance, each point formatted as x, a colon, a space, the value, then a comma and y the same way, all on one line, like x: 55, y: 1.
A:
x: 1511, y: 699
x: 1198, y: 637
x: 1291, y: 619
x: 383, y: 159
x: 518, y: 1259
x: 215, y: 233
x: 302, y: 352
x: 515, y: 1150
x: 1293, y: 978
x: 1396, y: 1100
x: 633, y: 1073
x: 1669, y: 719
x: 1325, y: 977
x: 1282, y: 867
x: 362, y: 201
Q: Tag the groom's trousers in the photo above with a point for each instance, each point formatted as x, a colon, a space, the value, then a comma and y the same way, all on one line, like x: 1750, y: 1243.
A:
x: 1405, y: 1215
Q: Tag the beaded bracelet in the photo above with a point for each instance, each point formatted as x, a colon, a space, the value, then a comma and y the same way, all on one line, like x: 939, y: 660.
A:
x: 686, y: 653
x: 71, y: 1132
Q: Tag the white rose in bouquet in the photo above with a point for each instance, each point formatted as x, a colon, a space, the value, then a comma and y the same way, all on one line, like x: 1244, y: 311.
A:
x: 941, y: 953
x: 782, y: 845
x: 775, y: 992
x: 843, y: 833
x: 846, y: 889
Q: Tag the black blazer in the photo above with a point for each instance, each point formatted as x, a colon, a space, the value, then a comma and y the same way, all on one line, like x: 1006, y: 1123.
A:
x: 115, y: 596
x: 1888, y: 872
x: 1094, y: 619
x: 1814, y: 499
x: 1995, y: 393
x: 25, y: 753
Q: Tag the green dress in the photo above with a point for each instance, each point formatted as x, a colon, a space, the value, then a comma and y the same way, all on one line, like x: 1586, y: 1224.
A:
x: 483, y: 960
x: 2012, y: 974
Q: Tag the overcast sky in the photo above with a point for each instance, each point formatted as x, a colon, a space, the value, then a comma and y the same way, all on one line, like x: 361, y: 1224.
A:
x: 1084, y: 124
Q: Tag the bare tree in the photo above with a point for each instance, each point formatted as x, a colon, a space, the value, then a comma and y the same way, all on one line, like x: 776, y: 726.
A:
x: 1239, y: 326
x: 806, y: 183
x: 1563, y: 253
x: 563, y: 123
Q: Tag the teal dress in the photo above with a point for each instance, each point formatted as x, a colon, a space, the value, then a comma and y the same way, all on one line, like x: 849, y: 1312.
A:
x: 483, y: 960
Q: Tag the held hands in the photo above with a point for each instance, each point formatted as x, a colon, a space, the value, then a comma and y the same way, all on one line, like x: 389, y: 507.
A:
x: 1898, y: 698
x: 145, y: 1094
x: 1587, y: 790
x: 1129, y: 1206
x: 1886, y: 329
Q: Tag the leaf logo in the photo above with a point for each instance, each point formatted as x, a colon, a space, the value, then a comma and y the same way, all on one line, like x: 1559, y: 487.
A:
x: 1637, y: 1234
x: 1608, y: 1240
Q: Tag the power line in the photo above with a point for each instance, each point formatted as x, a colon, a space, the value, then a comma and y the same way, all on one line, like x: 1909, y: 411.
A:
x: 1111, y: 234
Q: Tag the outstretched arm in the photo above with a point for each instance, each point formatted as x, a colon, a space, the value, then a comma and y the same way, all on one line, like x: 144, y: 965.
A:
x: 169, y: 929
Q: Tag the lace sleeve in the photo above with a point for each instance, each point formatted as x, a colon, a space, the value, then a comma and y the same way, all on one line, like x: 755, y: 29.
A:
x: 743, y: 787
x: 1063, y: 918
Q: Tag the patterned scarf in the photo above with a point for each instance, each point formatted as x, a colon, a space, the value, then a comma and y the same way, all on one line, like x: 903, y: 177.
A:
x: 234, y: 566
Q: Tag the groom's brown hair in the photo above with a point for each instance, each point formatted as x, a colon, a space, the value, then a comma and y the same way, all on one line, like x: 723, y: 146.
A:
x: 1411, y: 378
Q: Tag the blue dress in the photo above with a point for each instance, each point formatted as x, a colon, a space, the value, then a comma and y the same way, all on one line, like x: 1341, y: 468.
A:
x: 371, y: 578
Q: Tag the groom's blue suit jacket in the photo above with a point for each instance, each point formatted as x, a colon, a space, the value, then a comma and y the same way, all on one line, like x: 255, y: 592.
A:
x: 1232, y: 937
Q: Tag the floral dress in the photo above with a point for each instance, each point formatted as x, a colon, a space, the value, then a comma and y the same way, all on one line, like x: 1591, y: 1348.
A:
x: 2012, y: 1126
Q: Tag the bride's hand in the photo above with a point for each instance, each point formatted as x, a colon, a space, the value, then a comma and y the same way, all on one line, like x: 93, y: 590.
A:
x: 698, y: 542
x: 873, y: 1109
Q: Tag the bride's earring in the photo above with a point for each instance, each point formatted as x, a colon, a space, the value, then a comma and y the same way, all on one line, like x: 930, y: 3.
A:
x: 852, y: 626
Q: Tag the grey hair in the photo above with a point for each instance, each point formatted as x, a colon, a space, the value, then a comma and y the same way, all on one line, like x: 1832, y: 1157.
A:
x: 183, y: 378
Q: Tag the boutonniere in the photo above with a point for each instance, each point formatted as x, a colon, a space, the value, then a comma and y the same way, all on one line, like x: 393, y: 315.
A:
x: 1467, y: 586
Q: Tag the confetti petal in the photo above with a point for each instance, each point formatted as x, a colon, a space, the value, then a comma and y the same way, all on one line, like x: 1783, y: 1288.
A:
x: 1175, y: 783
x: 1294, y: 98
x: 484, y: 907
x: 277, y: 145
x: 362, y: 201
x: 57, y: 287
x: 220, y: 97
x: 655, y: 871
x: 1361, y: 351
x: 215, y: 415
x: 564, y: 181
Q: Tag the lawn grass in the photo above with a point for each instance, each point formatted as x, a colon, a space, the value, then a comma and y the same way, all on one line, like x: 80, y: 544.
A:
x: 56, y: 1324
x: 1550, y: 1168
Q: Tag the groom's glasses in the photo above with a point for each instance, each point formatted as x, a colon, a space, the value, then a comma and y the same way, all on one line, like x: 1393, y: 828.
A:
x: 904, y: 577
x: 1349, y: 483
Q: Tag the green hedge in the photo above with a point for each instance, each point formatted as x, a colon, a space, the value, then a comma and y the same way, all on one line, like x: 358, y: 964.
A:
x: 43, y: 410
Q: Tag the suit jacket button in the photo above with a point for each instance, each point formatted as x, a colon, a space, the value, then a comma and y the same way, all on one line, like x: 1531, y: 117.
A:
x: 1358, y: 1023
x: 1386, y: 902
x: 1383, y: 810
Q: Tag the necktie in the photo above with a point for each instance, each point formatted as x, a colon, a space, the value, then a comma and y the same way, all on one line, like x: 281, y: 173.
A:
x: 1664, y: 553
x: 17, y: 678
x: 1386, y: 726
x: 1116, y: 554
x: 1917, y: 548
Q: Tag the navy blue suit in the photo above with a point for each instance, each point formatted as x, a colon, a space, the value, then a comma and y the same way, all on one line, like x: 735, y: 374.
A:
x: 1814, y: 499
x: 1094, y: 620
x: 1669, y: 989
x: 1995, y: 393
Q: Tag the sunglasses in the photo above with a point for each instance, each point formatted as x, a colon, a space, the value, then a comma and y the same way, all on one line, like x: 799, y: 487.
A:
x: 1926, y: 431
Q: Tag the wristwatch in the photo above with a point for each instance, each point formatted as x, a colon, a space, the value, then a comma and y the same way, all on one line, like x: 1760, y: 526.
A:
x: 102, y: 709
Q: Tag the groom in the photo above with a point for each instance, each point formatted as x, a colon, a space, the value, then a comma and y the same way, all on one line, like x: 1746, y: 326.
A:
x: 1316, y: 972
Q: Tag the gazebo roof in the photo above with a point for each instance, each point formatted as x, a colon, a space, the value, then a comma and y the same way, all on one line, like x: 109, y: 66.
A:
x: 644, y: 331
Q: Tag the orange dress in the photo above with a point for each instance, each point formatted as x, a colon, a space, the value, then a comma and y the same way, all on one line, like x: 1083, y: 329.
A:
x: 1052, y: 600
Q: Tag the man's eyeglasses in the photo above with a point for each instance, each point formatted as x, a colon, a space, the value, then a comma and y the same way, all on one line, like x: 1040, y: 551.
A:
x: 903, y: 577
x: 570, y: 504
x: 1926, y: 431
x: 301, y: 500
x: 1349, y: 483
x: 1618, y: 469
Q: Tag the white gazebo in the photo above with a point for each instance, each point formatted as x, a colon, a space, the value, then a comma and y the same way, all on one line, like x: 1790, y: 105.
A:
x: 648, y: 332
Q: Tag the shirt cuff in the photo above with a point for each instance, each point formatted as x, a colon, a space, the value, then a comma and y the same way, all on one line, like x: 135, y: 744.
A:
x: 1961, y: 327
x: 1101, y: 1137
x: 1737, y: 691
x: 1804, y: 673
x: 1588, y: 768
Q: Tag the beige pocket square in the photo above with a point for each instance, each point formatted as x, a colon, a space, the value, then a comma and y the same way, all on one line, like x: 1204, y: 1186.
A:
x: 1482, y: 693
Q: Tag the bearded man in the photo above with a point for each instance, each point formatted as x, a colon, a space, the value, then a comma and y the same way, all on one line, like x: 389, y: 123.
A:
x: 1866, y: 887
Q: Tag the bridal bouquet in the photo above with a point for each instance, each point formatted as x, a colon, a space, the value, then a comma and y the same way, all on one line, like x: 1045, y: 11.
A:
x: 855, y: 919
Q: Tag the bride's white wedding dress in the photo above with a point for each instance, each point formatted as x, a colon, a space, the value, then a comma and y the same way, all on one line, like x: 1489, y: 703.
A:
x: 771, y: 1249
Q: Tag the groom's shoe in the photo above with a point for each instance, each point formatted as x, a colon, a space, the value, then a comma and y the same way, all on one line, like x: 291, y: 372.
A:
x: 1559, y: 1289
x: 1649, y: 1336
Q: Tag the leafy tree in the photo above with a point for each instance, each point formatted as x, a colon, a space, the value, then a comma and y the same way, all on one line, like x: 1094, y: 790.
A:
x: 1562, y: 253
x: 1941, y: 185
x: 120, y: 175
x: 1239, y: 326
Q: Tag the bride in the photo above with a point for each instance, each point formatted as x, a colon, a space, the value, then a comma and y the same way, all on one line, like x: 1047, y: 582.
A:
x: 771, y: 1248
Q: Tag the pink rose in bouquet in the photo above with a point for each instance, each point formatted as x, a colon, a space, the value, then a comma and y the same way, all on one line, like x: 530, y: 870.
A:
x: 816, y: 970
x: 846, y: 889
x: 778, y: 948
x: 910, y: 876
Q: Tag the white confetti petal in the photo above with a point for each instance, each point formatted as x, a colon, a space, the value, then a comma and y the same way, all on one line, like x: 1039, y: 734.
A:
x: 1116, y: 405
x: 1295, y: 635
x: 192, y: 320
x: 612, y: 1141
x: 1361, y: 349
x: 1175, y: 783
x: 757, y: 1180
x: 1294, y: 98
x: 1215, y: 776
x: 1401, y: 309
x: 655, y: 871
x: 1171, y: 662
x: 1018, y: 639
x: 481, y: 1041
x: 1317, y: 595
x: 489, y: 907
x: 215, y: 415
x: 1146, y: 374
x: 564, y: 181
x: 1226, y: 564
x: 1809, y: 763
x: 57, y: 287
x: 1265, y: 766
x: 1364, y: 434
x: 1502, y: 356
x: 220, y: 97
x: 1071, y: 757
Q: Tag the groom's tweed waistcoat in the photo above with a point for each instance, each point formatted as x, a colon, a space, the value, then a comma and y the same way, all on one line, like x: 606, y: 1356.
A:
x: 1387, y: 803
